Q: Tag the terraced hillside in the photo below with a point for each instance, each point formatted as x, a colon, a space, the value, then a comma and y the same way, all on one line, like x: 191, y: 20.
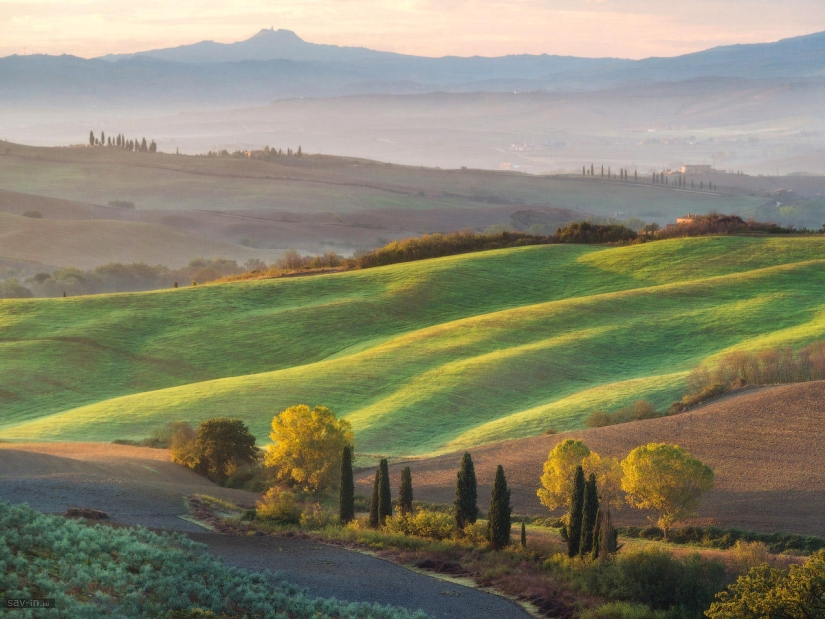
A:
x: 422, y: 357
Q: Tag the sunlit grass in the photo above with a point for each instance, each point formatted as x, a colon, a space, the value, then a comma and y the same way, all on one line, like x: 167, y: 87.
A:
x: 420, y: 357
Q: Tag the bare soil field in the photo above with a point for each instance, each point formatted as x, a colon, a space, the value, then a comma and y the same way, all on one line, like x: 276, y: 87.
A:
x: 134, y: 485
x: 766, y: 447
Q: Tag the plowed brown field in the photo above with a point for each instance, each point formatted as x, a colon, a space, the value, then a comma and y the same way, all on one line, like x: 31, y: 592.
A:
x: 766, y: 447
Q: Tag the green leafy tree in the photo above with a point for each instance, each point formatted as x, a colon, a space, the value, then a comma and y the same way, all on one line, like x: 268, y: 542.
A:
x: 666, y: 480
x: 222, y: 442
x: 405, y: 493
x: 498, y: 524
x: 590, y: 512
x: 346, y: 492
x: 466, y: 494
x: 374, y: 517
x: 769, y: 593
x: 574, y: 529
x: 384, y: 493
x: 306, y: 446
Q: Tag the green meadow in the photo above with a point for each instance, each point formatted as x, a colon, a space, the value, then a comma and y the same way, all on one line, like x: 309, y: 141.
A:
x: 421, y: 357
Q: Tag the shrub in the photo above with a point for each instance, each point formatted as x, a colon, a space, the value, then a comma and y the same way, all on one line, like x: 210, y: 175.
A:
x: 33, y: 214
x: 747, y: 555
x: 279, y: 506
x: 425, y: 523
x: 313, y: 517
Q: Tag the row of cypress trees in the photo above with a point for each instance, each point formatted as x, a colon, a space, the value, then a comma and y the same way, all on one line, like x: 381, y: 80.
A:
x: 465, y: 506
x: 589, y: 532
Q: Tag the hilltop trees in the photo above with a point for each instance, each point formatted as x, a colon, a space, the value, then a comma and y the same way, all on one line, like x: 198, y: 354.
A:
x: 120, y: 141
x: 306, y: 446
x: 667, y: 480
x: 466, y: 494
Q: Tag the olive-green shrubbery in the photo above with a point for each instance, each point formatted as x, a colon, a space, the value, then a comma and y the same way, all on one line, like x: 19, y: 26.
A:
x: 96, y: 572
x: 653, y: 577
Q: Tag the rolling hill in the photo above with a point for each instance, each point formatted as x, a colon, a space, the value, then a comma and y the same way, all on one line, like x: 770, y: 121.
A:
x: 766, y: 447
x: 422, y: 358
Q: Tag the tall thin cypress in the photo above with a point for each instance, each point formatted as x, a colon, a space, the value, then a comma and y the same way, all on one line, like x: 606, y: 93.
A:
x: 590, y: 511
x: 384, y: 493
x: 574, y: 531
x: 523, y: 535
x: 374, y: 520
x: 466, y: 494
x: 346, y: 493
x: 405, y: 492
x: 499, y: 524
x: 597, y: 535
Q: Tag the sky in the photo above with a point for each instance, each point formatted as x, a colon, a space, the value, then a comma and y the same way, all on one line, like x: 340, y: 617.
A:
x: 619, y: 28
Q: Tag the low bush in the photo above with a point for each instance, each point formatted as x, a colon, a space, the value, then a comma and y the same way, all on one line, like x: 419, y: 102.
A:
x: 641, y: 409
x: 652, y: 577
x: 423, y: 523
x: 624, y: 610
x: 723, y: 539
x: 278, y: 506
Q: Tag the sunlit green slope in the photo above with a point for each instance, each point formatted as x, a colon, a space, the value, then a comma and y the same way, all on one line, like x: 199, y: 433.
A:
x: 421, y: 357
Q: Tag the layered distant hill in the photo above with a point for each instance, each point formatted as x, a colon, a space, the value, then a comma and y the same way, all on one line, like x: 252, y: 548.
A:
x: 276, y: 64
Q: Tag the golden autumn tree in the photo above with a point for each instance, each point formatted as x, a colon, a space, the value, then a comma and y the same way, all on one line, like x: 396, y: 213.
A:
x: 559, y: 469
x: 666, y: 480
x: 307, y: 446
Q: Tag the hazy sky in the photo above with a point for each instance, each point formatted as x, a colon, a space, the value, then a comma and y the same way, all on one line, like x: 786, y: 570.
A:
x: 624, y: 28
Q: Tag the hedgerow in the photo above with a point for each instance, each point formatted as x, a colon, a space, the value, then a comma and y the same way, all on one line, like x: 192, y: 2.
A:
x: 98, y: 571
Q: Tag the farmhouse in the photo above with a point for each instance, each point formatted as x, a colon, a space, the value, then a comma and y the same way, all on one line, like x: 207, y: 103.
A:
x: 696, y: 169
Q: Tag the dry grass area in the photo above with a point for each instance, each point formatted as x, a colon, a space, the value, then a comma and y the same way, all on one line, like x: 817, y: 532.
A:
x: 766, y: 446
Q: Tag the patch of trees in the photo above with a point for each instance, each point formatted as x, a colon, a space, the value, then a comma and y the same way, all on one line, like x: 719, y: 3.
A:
x: 641, y: 409
x: 714, y: 223
x: 118, y: 277
x: 662, y: 479
x: 122, y: 142
x: 586, y: 232
x: 765, y: 367
x: 221, y: 449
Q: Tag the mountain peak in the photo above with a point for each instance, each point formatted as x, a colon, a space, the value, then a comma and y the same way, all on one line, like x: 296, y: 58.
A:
x: 279, y: 35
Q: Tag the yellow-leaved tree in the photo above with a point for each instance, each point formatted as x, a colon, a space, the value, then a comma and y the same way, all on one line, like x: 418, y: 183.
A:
x: 666, y: 480
x: 559, y: 470
x: 307, y: 446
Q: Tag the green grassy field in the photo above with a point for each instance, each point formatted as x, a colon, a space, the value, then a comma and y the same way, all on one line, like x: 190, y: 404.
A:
x: 421, y: 357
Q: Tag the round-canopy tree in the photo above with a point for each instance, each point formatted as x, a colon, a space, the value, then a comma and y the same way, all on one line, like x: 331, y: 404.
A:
x: 559, y: 472
x: 307, y: 446
x: 222, y: 442
x: 666, y: 480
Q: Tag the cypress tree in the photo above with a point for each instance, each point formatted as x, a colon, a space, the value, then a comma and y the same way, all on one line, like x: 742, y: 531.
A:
x: 374, y: 503
x: 405, y: 492
x: 384, y: 493
x: 590, y: 510
x: 523, y: 535
x: 91, y: 138
x: 574, y: 530
x: 597, y: 535
x: 346, y: 493
x: 584, y: 173
x: 466, y: 494
x: 102, y: 138
x: 498, y: 525
x: 592, y: 169
x: 602, y: 169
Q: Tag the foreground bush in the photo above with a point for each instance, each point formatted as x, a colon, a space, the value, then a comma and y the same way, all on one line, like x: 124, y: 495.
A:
x: 652, y: 577
x: 798, y: 593
x: 97, y: 572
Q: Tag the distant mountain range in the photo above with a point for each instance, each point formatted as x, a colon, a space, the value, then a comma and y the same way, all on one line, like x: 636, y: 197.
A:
x: 277, y: 64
